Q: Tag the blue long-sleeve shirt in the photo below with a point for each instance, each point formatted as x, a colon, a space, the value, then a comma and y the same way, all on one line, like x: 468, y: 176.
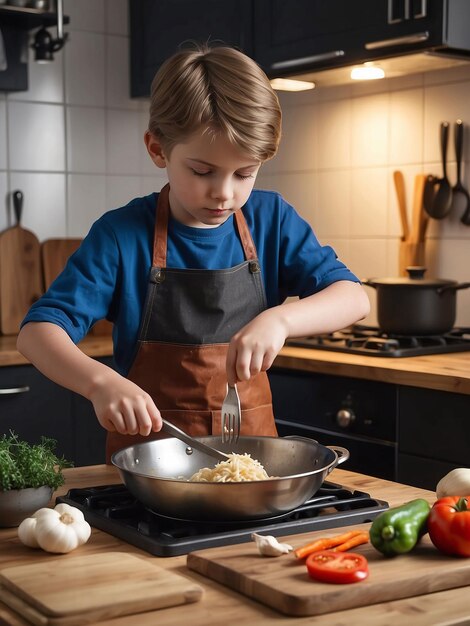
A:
x: 107, y: 276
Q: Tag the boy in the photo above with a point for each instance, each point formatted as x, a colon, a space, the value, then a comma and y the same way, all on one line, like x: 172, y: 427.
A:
x: 222, y: 260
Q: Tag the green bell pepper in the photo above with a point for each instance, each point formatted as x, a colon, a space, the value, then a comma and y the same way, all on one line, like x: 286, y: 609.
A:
x: 399, y: 529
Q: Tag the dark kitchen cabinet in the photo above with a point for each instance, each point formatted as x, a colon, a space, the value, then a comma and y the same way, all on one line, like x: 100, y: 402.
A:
x: 433, y: 435
x: 356, y: 414
x: 31, y: 405
x: 157, y: 29
x: 306, y: 35
x: 408, y: 434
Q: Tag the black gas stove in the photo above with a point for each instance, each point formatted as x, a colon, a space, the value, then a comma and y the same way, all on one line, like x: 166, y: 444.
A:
x: 113, y: 509
x: 371, y: 341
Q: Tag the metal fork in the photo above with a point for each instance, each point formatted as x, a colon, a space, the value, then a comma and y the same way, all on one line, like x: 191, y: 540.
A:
x: 231, y: 416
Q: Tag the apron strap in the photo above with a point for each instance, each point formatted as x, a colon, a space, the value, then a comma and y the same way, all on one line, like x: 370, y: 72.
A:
x: 161, y: 231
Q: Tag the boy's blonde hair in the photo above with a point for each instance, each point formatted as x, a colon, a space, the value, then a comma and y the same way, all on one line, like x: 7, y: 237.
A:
x: 218, y: 88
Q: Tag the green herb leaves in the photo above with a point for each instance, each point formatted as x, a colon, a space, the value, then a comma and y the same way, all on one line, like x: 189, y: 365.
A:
x: 24, y: 465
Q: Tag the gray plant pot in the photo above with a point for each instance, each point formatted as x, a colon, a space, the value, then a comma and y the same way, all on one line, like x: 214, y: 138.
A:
x: 17, y: 504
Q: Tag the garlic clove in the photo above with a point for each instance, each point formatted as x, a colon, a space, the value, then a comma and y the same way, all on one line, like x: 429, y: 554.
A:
x: 269, y: 546
x: 26, y: 532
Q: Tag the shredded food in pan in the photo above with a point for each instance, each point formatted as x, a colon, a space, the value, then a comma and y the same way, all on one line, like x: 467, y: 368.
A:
x: 239, y: 468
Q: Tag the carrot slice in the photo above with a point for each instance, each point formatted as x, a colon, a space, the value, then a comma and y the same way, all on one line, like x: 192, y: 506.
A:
x: 352, y: 543
x: 325, y: 543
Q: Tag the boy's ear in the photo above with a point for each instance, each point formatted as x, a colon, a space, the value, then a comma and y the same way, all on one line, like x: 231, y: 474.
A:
x: 155, y: 150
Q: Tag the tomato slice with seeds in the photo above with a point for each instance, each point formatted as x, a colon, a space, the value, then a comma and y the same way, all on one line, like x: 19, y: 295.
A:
x: 337, y: 567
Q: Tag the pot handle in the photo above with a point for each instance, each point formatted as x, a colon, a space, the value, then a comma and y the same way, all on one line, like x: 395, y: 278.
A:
x: 453, y: 287
x: 341, y: 453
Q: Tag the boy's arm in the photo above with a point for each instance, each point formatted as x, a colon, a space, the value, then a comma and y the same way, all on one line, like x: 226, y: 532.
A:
x: 120, y: 405
x: 255, y: 346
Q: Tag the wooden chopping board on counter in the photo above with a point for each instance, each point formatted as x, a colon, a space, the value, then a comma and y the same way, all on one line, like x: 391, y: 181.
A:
x: 54, y: 256
x: 283, y: 583
x: 20, y: 271
x: 74, y: 590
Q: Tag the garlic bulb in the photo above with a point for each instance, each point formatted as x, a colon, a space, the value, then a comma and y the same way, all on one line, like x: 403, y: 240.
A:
x: 269, y: 546
x: 60, y: 530
x: 455, y: 483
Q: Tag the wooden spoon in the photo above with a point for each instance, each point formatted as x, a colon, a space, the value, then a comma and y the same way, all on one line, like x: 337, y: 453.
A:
x: 400, y: 191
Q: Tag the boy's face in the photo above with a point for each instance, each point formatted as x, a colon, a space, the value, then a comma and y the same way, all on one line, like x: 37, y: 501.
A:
x: 209, y: 178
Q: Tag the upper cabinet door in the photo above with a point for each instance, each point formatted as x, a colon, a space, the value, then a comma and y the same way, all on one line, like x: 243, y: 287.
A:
x: 301, y: 35
x: 158, y: 28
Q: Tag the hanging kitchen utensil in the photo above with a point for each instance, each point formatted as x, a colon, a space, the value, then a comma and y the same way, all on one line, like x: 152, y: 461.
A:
x: 429, y: 193
x: 399, y: 181
x: 442, y: 202
x: 20, y: 271
x: 412, y: 249
x: 458, y: 187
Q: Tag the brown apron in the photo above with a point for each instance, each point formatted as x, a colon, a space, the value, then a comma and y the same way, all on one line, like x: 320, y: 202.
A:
x: 189, y: 317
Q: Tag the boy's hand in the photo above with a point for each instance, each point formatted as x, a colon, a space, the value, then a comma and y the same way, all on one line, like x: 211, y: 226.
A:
x: 254, y: 348
x: 122, y: 406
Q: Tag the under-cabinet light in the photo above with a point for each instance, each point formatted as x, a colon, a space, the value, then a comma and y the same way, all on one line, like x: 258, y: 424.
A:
x: 288, y: 84
x: 368, y: 71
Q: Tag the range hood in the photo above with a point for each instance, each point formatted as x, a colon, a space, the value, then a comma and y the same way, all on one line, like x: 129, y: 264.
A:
x: 393, y: 67
x: 400, y: 36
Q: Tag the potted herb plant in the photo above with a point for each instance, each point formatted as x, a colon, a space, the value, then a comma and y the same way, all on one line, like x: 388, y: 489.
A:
x: 29, y: 474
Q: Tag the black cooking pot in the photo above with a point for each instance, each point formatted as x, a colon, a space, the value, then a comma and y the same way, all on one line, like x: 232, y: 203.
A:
x: 415, y: 305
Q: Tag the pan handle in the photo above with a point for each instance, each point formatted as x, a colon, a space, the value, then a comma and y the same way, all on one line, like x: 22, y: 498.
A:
x: 341, y: 453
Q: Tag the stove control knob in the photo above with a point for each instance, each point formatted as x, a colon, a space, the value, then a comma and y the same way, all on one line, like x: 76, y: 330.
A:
x: 345, y: 417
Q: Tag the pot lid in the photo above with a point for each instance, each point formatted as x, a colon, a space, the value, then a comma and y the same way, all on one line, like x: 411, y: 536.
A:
x: 415, y: 279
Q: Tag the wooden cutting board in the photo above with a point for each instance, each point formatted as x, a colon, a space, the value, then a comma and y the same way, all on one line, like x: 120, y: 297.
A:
x: 20, y: 272
x: 54, y: 256
x: 73, y: 590
x: 283, y: 583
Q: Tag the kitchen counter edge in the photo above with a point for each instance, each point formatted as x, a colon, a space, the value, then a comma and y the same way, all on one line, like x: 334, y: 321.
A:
x: 443, y: 372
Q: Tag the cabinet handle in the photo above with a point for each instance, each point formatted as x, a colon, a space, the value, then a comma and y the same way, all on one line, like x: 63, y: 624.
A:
x: 315, y: 58
x: 423, y: 11
x: 13, y: 391
x: 392, y: 14
x: 397, y: 41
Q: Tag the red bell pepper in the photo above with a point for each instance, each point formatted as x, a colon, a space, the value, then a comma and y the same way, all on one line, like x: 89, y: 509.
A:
x: 449, y: 525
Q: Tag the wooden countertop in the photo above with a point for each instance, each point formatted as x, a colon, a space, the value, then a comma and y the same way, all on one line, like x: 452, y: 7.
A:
x: 445, y: 372
x: 220, y: 604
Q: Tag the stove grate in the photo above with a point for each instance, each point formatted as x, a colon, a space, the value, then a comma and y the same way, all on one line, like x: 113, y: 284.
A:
x: 113, y: 509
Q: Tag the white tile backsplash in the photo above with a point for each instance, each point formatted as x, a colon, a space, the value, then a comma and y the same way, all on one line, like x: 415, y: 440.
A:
x: 370, y: 123
x: 86, y: 140
x: 369, y: 193
x: 117, y: 21
x: 121, y: 189
x: 334, y: 136
x: 3, y: 135
x: 86, y: 202
x: 88, y: 15
x: 117, y: 74
x: 125, y: 145
x: 85, y: 69
x: 36, y: 136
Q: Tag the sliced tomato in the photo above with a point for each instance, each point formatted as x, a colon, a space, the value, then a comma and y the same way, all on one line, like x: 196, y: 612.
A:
x: 337, y: 567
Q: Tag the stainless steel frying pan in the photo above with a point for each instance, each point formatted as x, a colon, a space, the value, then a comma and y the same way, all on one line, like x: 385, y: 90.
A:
x: 157, y: 473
